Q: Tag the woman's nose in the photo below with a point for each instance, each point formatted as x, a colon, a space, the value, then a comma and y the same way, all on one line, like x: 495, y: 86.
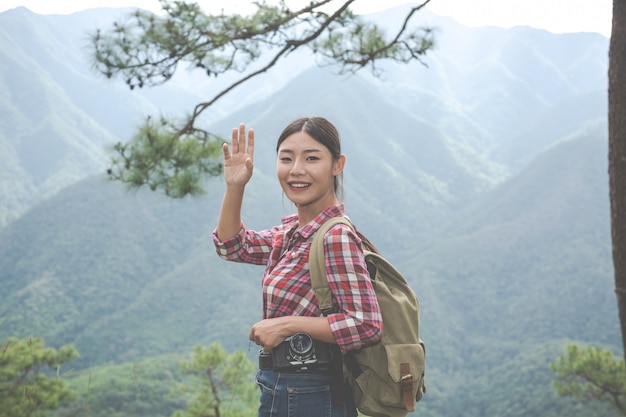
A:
x: 297, y: 167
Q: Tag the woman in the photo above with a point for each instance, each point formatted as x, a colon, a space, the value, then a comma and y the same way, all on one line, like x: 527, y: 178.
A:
x: 309, y: 167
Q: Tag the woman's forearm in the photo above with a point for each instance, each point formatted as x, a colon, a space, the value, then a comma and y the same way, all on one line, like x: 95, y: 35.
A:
x: 229, y: 221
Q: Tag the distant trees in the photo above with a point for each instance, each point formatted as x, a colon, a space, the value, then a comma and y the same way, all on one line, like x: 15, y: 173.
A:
x: 29, y: 377
x: 591, y: 374
x: 31, y: 385
x: 145, y: 50
x: 221, y: 385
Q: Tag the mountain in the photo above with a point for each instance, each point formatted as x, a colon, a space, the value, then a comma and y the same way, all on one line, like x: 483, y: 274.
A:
x: 507, y: 93
x: 547, y: 225
x: 59, y: 118
x: 513, y: 277
x: 504, y: 95
x: 482, y: 177
x: 50, y: 137
x: 504, y: 285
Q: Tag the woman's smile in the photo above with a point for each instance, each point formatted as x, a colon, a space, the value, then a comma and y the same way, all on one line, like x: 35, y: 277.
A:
x: 299, y: 185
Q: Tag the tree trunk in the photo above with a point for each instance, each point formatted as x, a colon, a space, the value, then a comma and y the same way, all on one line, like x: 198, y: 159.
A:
x: 617, y: 155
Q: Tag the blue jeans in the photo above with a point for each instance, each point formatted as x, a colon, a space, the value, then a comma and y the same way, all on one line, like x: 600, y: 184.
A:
x: 300, y: 394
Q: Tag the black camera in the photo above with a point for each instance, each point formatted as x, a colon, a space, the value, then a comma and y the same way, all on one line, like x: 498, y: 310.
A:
x: 301, y: 351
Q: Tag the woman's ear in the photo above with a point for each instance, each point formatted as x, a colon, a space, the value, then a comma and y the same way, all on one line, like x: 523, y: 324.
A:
x: 338, y: 165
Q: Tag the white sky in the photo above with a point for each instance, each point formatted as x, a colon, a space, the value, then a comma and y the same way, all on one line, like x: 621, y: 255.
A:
x: 558, y: 16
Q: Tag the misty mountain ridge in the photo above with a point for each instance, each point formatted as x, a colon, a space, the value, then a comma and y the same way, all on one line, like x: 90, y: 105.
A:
x: 474, y: 90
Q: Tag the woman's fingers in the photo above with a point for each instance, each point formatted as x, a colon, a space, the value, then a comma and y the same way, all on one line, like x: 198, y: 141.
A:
x: 242, y: 138
x: 250, y: 149
x: 234, y: 142
x: 238, y: 141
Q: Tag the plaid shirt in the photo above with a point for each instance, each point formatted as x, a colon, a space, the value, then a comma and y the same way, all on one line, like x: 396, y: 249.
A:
x: 356, y: 320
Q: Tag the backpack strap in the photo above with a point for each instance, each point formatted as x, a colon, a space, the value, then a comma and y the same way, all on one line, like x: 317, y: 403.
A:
x: 317, y: 264
x: 321, y: 289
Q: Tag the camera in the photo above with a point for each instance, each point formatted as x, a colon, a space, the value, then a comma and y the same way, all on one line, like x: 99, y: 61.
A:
x: 301, y: 351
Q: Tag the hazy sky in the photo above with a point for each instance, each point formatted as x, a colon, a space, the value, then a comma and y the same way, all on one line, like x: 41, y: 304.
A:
x: 557, y: 16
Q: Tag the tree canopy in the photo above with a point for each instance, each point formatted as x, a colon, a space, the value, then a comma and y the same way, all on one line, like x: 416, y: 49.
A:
x: 222, y: 385
x: 591, y: 374
x: 146, y: 50
x: 29, y: 377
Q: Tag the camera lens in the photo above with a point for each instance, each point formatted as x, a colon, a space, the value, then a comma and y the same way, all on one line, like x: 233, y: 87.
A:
x: 301, y: 344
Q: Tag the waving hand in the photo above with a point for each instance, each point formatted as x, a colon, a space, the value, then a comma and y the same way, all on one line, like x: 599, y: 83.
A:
x: 238, y: 160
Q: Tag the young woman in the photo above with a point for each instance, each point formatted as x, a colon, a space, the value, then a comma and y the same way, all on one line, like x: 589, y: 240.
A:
x: 296, y: 379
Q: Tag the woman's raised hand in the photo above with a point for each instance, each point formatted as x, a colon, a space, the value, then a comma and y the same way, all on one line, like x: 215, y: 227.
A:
x: 238, y: 160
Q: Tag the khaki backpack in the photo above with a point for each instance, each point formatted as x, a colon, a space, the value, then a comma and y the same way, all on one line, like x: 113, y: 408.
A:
x: 386, y: 378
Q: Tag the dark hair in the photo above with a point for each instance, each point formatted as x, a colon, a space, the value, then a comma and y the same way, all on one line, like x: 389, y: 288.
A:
x: 322, y: 131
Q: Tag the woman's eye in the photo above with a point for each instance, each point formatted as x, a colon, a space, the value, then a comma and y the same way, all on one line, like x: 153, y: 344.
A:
x: 285, y: 159
x: 312, y: 158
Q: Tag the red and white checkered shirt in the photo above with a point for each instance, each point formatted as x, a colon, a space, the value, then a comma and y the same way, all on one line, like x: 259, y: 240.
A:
x: 356, y: 321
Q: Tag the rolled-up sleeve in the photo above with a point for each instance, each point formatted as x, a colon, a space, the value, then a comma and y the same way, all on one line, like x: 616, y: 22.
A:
x: 246, y: 246
x: 357, y: 321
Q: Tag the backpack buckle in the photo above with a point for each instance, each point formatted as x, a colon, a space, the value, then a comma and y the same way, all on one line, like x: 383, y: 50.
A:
x: 406, y: 383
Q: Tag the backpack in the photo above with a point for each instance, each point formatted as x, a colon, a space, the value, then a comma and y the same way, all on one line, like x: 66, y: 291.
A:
x: 386, y: 378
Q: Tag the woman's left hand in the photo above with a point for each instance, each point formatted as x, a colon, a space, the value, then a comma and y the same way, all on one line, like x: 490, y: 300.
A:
x: 269, y: 333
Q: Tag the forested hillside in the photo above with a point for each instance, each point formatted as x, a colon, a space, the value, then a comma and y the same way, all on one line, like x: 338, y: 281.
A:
x: 483, y: 177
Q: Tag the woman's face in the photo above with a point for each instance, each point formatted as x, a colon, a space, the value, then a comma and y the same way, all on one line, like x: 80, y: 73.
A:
x: 306, y: 172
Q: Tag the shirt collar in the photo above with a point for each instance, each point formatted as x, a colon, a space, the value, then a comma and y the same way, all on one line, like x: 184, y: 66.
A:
x: 291, y: 222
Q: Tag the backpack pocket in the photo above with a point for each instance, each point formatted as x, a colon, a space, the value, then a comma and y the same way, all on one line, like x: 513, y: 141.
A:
x: 405, y: 364
x: 386, y: 371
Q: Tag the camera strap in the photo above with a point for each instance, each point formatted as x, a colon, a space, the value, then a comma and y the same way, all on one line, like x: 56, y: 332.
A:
x: 337, y: 389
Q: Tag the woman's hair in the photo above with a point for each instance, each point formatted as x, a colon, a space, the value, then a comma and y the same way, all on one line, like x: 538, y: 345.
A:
x: 322, y: 131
